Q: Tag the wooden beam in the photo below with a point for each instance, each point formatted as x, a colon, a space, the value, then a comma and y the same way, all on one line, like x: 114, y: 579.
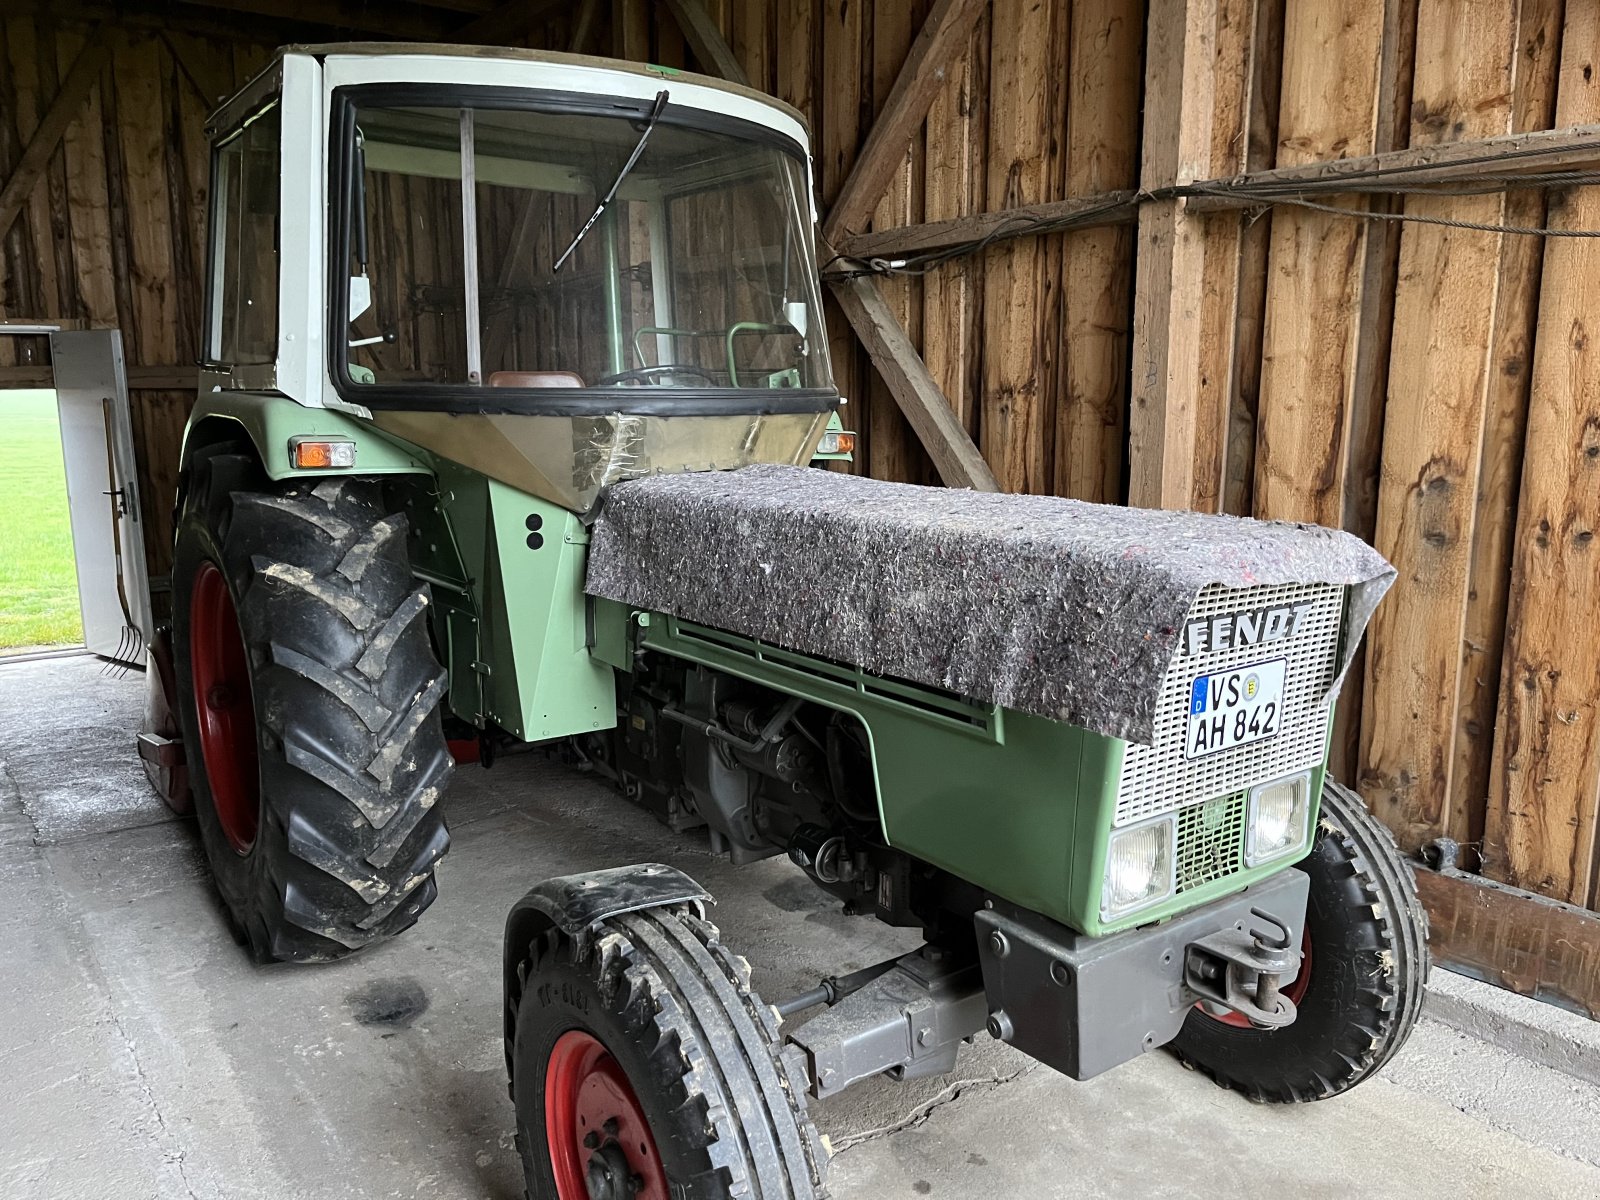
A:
x: 945, y: 35
x: 1573, y: 148
x: 710, y: 48
x: 1024, y: 220
x: 1545, y: 784
x: 164, y: 378
x: 1524, y: 943
x: 30, y: 168
x: 1433, y: 431
x: 956, y: 458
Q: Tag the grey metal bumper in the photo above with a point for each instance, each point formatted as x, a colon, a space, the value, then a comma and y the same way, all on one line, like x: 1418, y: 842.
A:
x: 1084, y: 1005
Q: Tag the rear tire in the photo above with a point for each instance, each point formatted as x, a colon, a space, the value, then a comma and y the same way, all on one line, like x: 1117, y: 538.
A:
x: 656, y: 996
x: 1367, y: 937
x: 327, y: 842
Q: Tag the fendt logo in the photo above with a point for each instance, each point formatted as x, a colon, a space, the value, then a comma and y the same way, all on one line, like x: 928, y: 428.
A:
x: 1253, y: 628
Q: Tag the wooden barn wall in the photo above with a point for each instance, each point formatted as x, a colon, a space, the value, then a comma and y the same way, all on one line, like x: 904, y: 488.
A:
x: 1431, y: 388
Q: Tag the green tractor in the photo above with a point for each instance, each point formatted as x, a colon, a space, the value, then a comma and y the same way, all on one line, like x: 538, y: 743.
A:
x: 515, y: 372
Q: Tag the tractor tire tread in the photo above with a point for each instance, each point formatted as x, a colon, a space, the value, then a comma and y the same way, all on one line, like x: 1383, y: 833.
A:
x: 348, y: 695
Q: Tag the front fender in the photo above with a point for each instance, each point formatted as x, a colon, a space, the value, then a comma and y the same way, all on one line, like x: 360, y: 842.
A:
x: 576, y: 904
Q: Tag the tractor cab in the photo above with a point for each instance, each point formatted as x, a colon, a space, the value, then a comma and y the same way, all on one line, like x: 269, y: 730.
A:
x: 556, y: 271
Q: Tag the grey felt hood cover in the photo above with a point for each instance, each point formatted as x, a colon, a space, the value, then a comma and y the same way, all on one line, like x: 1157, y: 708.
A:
x: 1054, y: 607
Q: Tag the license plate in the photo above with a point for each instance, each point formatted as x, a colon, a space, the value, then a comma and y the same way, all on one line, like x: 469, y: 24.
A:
x: 1235, y: 708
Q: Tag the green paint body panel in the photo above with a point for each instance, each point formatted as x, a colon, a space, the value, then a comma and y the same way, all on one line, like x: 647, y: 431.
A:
x: 1018, y: 805
x: 270, y: 421
x: 507, y: 575
x: 1015, y: 804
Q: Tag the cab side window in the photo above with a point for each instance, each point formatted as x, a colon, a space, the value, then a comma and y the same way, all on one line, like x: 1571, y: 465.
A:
x: 243, y: 326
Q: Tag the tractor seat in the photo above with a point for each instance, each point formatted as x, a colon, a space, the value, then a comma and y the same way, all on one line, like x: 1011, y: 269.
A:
x: 536, y: 379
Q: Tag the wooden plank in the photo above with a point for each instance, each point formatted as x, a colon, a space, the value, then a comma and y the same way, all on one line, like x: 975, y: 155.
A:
x: 895, y: 452
x: 1195, y: 88
x: 1215, y: 370
x: 1102, y: 157
x: 1015, y: 424
x: 630, y: 30
x: 706, y: 41
x: 64, y: 109
x: 1266, y: 76
x: 1535, y: 68
x: 840, y: 94
x: 914, y: 389
x: 151, y: 328
x: 1433, y: 430
x: 83, y: 163
x: 505, y: 25
x: 407, y: 23
x: 944, y: 35
x: 798, y: 30
x: 1545, y: 781
x: 1330, y: 103
x: 585, y: 27
x: 1522, y: 942
x: 210, y: 75
x: 45, y: 225
x: 953, y: 186
x: 752, y: 42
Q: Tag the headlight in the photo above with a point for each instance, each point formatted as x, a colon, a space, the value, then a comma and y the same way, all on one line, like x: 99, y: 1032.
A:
x: 1277, y: 819
x: 1138, y: 866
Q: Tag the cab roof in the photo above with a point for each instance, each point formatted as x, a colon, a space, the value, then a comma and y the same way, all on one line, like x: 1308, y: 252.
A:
x: 321, y: 50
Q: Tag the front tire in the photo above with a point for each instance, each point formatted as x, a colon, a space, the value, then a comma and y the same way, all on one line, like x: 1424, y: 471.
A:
x: 643, y: 1063
x: 309, y: 704
x: 1362, y: 986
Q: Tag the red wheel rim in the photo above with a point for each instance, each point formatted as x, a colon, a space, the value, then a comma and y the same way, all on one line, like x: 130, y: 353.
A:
x: 227, y: 714
x: 601, y: 1147
x: 1295, y: 991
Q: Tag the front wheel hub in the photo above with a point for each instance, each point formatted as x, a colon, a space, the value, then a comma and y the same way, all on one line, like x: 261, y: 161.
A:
x: 601, y: 1147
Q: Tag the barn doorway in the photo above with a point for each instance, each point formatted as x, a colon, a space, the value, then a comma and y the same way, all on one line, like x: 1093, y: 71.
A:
x: 39, y: 607
x: 72, y: 566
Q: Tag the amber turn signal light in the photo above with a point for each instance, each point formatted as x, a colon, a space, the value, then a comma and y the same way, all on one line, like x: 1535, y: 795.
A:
x: 308, y: 453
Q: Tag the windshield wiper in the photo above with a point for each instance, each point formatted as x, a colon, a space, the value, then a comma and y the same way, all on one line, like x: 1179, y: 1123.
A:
x: 650, y: 123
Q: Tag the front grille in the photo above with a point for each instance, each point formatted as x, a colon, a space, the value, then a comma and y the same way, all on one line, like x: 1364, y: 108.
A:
x: 1159, y: 779
x: 1210, y: 840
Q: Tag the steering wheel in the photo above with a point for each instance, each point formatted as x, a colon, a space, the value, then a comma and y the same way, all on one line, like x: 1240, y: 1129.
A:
x: 646, y: 375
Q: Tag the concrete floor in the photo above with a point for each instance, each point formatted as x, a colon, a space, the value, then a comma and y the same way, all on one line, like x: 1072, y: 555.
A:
x: 142, y: 1056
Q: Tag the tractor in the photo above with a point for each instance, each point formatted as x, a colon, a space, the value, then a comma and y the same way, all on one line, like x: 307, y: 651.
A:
x: 514, y: 386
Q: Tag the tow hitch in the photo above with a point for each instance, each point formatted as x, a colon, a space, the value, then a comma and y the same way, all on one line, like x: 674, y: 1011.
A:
x: 1243, y: 970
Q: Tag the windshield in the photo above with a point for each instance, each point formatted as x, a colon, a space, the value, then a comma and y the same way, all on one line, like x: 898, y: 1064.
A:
x: 699, y: 273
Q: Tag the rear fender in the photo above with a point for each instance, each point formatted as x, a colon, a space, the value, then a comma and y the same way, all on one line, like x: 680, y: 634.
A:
x: 272, y: 423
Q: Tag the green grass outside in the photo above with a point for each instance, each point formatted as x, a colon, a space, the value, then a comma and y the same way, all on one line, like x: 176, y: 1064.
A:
x: 38, y: 579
